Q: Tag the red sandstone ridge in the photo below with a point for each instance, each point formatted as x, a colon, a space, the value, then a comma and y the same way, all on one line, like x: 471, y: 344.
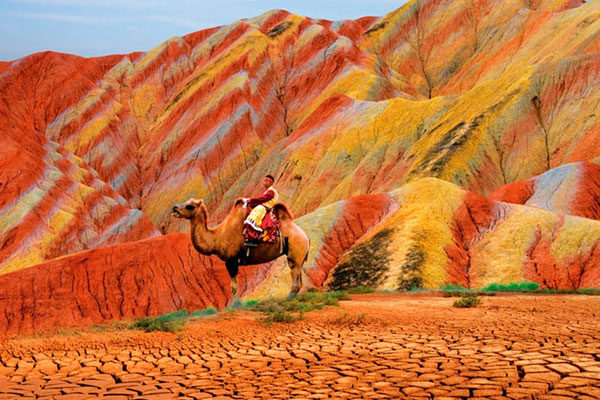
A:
x: 163, y: 274
x: 148, y: 277
x: 4, y: 66
x: 572, y: 189
x: 356, y: 216
x: 544, y: 249
x: 52, y: 202
x: 488, y: 96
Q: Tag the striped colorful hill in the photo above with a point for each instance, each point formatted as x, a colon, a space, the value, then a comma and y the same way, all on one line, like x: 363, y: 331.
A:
x: 457, y: 138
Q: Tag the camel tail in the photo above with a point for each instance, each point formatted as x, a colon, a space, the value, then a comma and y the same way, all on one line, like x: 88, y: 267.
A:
x: 307, y: 250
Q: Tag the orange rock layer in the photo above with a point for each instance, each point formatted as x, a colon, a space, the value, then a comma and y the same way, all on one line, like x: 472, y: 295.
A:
x: 148, y: 277
x: 463, y: 133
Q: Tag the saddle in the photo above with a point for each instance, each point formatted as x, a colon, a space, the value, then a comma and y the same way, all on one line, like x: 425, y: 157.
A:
x: 270, y: 230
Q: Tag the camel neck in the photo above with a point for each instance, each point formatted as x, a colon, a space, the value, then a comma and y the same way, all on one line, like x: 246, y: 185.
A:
x: 202, y: 237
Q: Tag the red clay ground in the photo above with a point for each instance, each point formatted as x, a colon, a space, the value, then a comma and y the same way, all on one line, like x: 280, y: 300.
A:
x: 406, y: 346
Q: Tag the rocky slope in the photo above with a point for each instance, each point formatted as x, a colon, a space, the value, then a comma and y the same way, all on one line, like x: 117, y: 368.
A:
x: 450, y: 98
x: 437, y: 233
x: 161, y: 274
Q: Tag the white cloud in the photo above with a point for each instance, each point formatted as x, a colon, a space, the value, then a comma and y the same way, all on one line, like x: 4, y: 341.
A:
x: 102, y: 3
x: 52, y: 17
x: 176, y: 21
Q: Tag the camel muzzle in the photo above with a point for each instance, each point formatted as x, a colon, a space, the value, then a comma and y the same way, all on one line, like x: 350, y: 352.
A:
x: 175, y: 212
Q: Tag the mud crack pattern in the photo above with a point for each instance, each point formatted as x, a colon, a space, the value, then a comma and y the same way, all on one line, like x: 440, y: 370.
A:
x: 377, y: 346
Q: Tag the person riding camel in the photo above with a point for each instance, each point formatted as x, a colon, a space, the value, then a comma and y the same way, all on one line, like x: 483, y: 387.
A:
x: 254, y: 225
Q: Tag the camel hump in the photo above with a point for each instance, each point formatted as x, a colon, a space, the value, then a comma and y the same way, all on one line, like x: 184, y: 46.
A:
x: 238, y: 202
x: 282, y: 212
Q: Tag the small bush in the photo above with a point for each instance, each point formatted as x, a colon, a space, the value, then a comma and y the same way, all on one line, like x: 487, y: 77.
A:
x: 236, y: 304
x: 280, y: 310
x: 467, y: 301
x: 171, y: 322
x: 532, y: 287
x: 250, y: 303
x: 349, y: 321
x: 459, y: 293
x: 336, y: 295
x: 360, y: 289
x: 453, y: 288
x: 466, y: 292
x: 204, y: 313
x: 108, y: 327
x: 281, y: 316
x: 524, y: 286
x: 161, y: 323
x: 588, y: 291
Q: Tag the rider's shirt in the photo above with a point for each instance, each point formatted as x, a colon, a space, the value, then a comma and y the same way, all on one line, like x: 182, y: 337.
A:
x: 267, y: 199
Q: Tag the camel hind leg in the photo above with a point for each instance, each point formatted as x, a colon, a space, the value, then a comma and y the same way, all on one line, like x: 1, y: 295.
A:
x: 296, y: 258
x: 296, y: 271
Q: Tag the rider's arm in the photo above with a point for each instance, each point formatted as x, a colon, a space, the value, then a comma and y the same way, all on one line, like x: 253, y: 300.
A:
x: 266, y: 196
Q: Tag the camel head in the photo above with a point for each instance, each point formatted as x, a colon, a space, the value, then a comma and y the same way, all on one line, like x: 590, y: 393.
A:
x: 188, y: 210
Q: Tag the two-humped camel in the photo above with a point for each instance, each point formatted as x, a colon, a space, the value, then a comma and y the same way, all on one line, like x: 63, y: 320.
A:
x: 227, y: 241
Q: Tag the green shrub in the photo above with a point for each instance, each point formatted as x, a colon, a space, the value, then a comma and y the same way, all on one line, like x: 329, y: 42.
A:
x: 348, y: 321
x: 453, y: 288
x: 171, y: 322
x: 108, y: 327
x: 281, y: 316
x: 280, y: 310
x: 585, y: 291
x: 163, y: 323
x: 204, y: 313
x: 467, y: 301
x: 360, y: 289
x: 524, y: 286
x: 588, y: 291
x: 250, y: 303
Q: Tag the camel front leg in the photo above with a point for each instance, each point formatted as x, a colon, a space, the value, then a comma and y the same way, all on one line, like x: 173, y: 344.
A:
x: 234, y: 287
x: 232, y: 269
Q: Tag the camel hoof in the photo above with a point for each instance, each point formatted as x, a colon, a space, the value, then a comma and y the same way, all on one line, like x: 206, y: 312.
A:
x: 235, y: 304
x: 291, y: 295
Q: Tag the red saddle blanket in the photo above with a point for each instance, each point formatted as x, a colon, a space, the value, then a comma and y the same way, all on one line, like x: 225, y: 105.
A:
x: 270, y: 231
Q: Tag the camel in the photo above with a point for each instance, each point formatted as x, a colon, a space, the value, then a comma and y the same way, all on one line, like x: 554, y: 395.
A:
x: 227, y: 241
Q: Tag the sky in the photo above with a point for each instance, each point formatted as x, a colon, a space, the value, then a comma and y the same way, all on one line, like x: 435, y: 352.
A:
x: 92, y: 28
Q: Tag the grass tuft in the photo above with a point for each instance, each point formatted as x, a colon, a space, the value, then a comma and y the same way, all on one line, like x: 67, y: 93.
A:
x: 171, y: 322
x: 204, y: 313
x: 281, y: 316
x: 347, y: 320
x: 467, y: 301
x: 525, y: 287
x: 533, y: 287
x: 290, y: 310
x: 453, y: 288
x: 360, y: 289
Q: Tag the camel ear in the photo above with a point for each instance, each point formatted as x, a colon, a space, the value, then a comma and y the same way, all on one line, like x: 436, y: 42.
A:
x: 195, y: 201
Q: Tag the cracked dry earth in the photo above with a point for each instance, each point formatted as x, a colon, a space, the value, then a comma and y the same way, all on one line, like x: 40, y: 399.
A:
x: 405, y: 346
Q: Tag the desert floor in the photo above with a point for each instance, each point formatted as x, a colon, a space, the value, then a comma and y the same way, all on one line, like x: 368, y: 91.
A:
x: 374, y: 346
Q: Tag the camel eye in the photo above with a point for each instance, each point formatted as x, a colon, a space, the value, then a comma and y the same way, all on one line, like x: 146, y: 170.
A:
x: 189, y: 207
